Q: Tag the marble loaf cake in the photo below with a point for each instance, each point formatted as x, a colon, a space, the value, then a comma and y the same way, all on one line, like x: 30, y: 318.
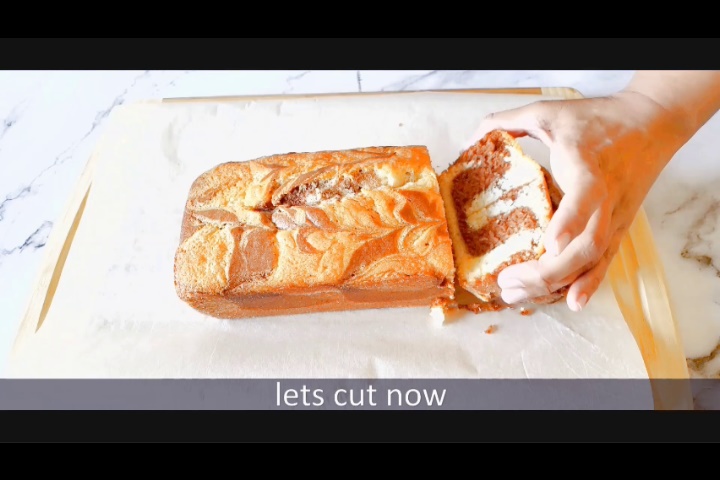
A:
x: 313, y: 232
x: 498, y: 203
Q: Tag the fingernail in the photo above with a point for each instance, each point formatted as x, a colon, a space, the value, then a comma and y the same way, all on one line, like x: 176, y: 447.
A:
x: 581, y: 302
x: 514, y: 295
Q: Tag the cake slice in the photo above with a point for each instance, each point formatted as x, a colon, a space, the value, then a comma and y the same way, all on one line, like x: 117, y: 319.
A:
x: 498, y: 203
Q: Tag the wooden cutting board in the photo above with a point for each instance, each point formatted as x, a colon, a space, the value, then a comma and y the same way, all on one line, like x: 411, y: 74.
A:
x: 104, y: 303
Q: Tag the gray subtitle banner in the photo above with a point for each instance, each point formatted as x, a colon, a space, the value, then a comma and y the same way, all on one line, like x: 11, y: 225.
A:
x: 343, y: 394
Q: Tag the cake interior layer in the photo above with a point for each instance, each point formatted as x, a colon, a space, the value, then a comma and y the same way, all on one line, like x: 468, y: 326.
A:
x: 500, y: 198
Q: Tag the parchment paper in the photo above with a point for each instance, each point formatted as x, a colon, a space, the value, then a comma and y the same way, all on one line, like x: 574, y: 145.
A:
x: 116, y: 314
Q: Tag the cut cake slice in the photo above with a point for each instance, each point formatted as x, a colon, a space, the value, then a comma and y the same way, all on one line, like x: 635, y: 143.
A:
x: 498, y: 203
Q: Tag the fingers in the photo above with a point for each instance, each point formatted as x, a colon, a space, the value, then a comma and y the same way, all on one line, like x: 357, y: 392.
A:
x: 525, y: 281
x: 521, y: 121
x: 585, y: 192
x: 583, y: 251
x: 583, y: 285
x: 528, y: 280
x: 582, y: 290
x: 586, y: 285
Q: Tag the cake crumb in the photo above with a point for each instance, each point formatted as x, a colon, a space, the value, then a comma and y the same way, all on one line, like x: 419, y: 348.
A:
x: 491, y: 329
x: 477, y: 308
x: 437, y: 316
x: 525, y: 312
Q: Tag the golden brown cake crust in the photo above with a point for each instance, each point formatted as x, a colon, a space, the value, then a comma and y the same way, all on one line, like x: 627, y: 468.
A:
x: 311, y: 232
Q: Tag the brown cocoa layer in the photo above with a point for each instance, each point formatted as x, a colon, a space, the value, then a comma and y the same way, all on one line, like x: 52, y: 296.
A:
x: 327, y: 184
x: 498, y: 229
x: 485, y: 163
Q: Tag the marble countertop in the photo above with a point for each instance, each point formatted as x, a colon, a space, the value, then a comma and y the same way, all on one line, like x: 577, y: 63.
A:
x: 50, y: 122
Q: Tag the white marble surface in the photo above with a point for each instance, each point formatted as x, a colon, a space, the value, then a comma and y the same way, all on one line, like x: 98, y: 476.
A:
x: 50, y: 121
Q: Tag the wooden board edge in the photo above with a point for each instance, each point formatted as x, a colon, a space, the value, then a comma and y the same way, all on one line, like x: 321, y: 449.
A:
x: 561, y: 92
x: 63, y: 232
x: 56, y: 252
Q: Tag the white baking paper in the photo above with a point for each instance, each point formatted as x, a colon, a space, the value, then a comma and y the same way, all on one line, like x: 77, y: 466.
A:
x: 116, y: 313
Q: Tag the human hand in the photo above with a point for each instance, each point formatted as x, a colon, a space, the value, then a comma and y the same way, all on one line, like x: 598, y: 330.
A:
x: 605, y: 154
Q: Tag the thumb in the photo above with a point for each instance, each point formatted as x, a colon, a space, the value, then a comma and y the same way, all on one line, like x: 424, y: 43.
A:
x: 518, y: 122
